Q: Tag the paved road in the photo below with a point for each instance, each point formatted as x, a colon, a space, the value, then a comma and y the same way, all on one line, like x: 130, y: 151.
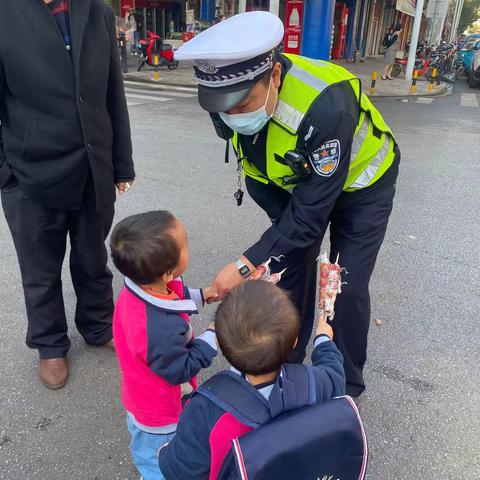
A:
x: 421, y: 406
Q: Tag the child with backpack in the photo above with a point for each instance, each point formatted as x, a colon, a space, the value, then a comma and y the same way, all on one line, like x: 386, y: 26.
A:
x: 257, y: 327
x: 157, y: 353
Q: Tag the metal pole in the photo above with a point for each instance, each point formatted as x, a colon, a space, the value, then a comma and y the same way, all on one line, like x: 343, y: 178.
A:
x: 457, y: 19
x: 144, y: 23
x: 374, y: 80
x: 242, y: 6
x: 318, y: 28
x: 274, y: 6
x: 433, y: 31
x: 454, y: 19
x: 414, y: 40
x: 122, y: 43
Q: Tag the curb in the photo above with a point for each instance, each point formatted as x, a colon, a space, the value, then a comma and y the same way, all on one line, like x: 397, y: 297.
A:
x: 443, y: 92
x: 133, y: 78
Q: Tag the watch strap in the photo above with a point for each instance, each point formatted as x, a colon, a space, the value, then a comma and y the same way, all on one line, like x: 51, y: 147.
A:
x: 244, y: 270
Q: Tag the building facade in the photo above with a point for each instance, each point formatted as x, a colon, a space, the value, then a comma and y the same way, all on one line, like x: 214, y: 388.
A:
x: 337, y: 29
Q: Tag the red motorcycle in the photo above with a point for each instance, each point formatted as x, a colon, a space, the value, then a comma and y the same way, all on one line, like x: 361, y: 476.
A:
x: 165, y: 54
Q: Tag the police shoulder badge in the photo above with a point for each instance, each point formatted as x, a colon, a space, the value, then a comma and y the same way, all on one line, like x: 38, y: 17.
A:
x: 325, y: 159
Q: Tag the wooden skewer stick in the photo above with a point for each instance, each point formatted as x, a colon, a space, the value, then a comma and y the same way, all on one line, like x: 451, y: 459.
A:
x: 323, y: 319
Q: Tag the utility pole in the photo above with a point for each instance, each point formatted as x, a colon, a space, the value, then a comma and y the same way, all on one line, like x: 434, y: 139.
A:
x: 274, y: 7
x: 414, y: 40
x: 456, y: 19
x: 436, y: 13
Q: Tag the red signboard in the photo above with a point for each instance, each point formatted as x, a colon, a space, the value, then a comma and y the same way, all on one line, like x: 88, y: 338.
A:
x: 128, y: 4
x: 293, y: 26
x: 340, y: 22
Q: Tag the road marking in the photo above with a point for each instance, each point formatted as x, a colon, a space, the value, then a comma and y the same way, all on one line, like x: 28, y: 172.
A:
x: 163, y: 86
x: 147, y: 97
x: 424, y: 100
x: 468, y: 100
x: 133, y: 104
x: 160, y: 92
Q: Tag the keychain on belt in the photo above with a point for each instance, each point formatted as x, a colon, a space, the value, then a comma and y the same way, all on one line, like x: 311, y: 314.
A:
x: 238, y: 195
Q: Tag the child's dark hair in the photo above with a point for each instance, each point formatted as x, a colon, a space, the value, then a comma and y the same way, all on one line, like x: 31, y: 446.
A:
x: 257, y: 325
x: 143, y: 247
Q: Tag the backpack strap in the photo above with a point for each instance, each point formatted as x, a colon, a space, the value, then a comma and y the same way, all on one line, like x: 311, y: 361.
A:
x: 297, y: 389
x: 235, y: 395
x: 232, y: 393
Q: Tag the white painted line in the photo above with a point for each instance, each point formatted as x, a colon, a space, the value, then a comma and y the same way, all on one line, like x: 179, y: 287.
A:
x: 133, y: 104
x: 163, y: 92
x: 147, y: 97
x: 163, y: 86
x: 424, y: 100
x: 468, y: 100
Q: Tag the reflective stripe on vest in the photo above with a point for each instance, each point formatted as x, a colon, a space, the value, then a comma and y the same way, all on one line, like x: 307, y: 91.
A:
x: 312, y: 81
x: 287, y: 115
x: 359, y: 138
x: 369, y: 173
x: 372, y: 145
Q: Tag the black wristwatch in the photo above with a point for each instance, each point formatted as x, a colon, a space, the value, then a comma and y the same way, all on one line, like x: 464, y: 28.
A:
x: 245, y: 272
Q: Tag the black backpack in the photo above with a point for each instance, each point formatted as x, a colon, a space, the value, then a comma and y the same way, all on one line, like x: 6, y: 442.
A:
x: 293, y: 436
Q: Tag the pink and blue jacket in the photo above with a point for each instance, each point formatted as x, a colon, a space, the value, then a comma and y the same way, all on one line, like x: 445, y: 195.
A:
x: 157, y: 352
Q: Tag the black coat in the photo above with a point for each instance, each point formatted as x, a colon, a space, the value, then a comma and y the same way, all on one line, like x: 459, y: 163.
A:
x: 62, y: 114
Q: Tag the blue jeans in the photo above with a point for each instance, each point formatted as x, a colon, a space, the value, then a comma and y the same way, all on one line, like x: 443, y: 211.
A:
x: 144, y: 449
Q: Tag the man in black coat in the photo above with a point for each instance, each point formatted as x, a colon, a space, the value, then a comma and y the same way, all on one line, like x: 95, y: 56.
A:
x: 64, y: 145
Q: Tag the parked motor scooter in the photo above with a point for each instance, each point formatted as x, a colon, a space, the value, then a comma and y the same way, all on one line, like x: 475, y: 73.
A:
x: 421, y: 65
x: 165, y: 54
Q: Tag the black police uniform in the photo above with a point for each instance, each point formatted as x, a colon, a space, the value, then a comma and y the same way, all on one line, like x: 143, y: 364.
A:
x: 358, y: 222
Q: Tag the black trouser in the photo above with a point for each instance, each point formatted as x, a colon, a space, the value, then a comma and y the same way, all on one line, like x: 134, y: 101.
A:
x: 357, y: 228
x: 40, y: 235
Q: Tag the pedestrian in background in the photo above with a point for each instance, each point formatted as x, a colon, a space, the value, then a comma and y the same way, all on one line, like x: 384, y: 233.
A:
x: 134, y: 34
x: 391, y: 52
x: 64, y: 145
x: 387, y: 36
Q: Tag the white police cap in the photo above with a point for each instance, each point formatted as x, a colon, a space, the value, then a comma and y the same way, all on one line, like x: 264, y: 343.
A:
x: 230, y: 57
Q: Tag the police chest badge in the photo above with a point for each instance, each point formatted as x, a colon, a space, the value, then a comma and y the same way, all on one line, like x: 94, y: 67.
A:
x: 325, y: 159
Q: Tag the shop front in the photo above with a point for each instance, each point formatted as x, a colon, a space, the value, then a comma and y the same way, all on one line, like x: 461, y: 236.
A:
x: 164, y: 18
x: 375, y: 17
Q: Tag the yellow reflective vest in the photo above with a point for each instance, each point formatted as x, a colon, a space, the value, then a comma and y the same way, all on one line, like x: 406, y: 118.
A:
x: 372, y: 150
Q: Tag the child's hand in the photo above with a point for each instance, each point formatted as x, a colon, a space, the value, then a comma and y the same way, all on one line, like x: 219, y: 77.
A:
x: 211, y: 326
x: 323, y: 328
x: 210, y: 294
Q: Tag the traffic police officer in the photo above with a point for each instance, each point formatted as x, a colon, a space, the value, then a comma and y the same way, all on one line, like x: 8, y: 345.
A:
x: 314, y: 151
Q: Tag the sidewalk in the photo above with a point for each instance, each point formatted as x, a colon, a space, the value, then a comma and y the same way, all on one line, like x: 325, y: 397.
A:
x: 398, y: 87
x: 181, y: 76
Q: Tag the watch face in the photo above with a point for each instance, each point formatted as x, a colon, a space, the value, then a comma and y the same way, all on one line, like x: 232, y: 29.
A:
x: 244, y: 270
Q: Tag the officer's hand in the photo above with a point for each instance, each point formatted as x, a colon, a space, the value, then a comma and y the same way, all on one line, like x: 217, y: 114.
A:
x: 124, y: 186
x: 210, y: 294
x: 227, y: 278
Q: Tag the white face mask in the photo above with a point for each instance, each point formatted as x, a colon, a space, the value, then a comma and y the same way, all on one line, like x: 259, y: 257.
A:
x: 251, y: 122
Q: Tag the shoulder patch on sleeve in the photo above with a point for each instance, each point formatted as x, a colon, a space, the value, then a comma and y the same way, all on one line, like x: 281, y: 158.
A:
x: 325, y: 159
